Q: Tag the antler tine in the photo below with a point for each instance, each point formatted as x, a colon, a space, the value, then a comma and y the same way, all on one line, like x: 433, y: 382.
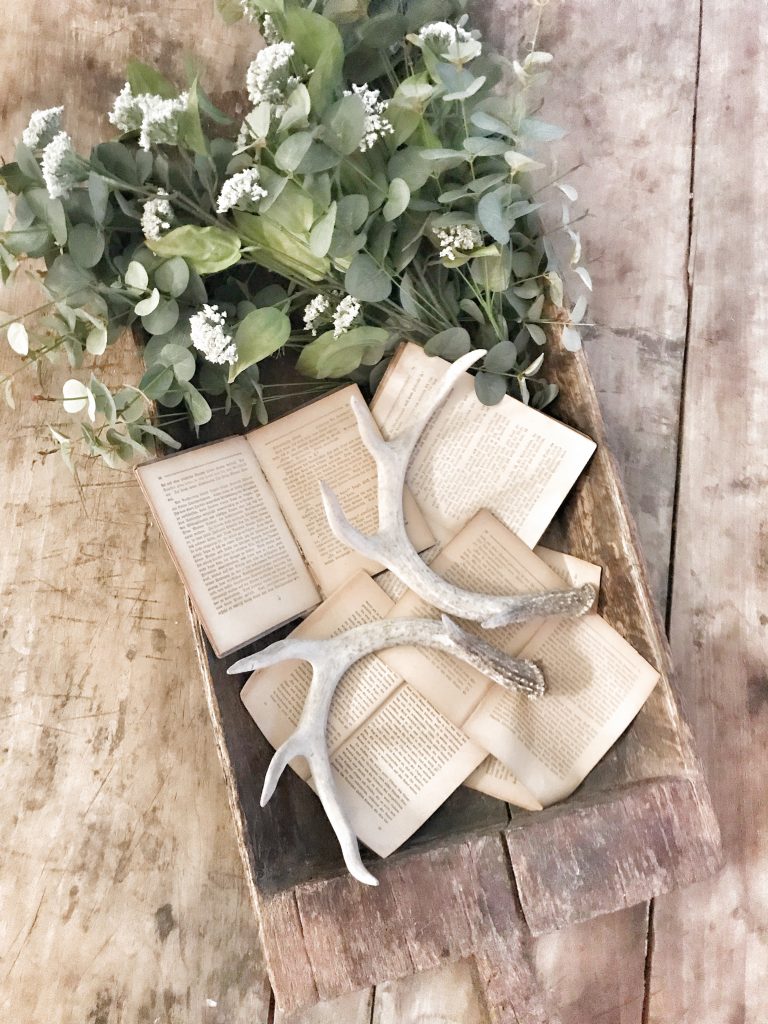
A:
x: 391, y: 546
x: 330, y: 659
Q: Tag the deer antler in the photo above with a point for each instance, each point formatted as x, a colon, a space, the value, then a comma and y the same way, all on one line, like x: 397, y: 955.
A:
x: 391, y: 546
x: 330, y: 659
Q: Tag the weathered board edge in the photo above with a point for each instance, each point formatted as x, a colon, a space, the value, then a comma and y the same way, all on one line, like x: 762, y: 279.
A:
x: 436, y: 906
x: 595, y: 859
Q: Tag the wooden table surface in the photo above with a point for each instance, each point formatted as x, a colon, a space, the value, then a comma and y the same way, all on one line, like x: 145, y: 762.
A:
x: 122, y: 895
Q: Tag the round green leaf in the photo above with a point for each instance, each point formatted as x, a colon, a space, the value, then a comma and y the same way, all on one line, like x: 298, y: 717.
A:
x: 207, y: 250
x: 398, y: 199
x: 136, y: 275
x: 490, y: 388
x: 501, y: 358
x: 328, y: 356
x: 156, y: 381
x: 322, y: 233
x: 449, y: 344
x: 86, y: 245
x: 145, y: 306
x: 366, y: 280
x: 198, y: 408
x: 262, y: 332
x: 163, y: 318
x: 346, y: 125
x: 181, y: 359
x: 172, y: 277
x: 96, y: 342
x: 292, y: 151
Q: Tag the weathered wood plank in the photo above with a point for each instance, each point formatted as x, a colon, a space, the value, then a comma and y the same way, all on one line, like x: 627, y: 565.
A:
x: 623, y: 85
x: 445, y: 904
x: 719, y: 610
x: 123, y: 897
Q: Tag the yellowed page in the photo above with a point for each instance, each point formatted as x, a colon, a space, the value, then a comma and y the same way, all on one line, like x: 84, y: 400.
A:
x: 573, y: 571
x: 494, y: 779
x: 275, y: 696
x: 395, y: 758
x: 484, y: 556
x: 399, y: 767
x: 596, y: 684
x: 513, y: 460
x: 321, y: 442
x: 240, y: 565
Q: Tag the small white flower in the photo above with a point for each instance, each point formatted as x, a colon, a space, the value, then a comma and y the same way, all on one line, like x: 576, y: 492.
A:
x: 58, y: 166
x: 243, y: 185
x: 314, y: 310
x: 154, y: 118
x: 156, y: 216
x: 207, y: 329
x: 250, y: 9
x: 457, y: 239
x: 452, y: 42
x: 269, y: 75
x: 345, y: 315
x: 43, y: 125
x: 269, y: 30
x: 376, y: 124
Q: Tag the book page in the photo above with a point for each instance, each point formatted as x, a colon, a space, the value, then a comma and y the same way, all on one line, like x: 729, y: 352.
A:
x: 399, y: 767
x: 486, y: 557
x: 494, y: 779
x: 596, y: 684
x: 275, y: 696
x: 573, y: 571
x: 321, y: 442
x: 509, y: 458
x: 237, y: 558
x: 395, y: 758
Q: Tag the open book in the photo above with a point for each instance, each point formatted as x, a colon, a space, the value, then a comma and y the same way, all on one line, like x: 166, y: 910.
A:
x: 244, y: 520
x: 408, y: 725
x: 245, y: 524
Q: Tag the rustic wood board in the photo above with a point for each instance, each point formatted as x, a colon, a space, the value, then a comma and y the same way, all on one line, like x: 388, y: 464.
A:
x: 640, y: 112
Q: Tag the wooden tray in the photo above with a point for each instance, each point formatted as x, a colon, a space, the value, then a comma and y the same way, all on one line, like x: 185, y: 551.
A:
x: 479, y: 875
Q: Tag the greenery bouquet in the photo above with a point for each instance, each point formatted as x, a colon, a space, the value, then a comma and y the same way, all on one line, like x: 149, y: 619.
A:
x: 384, y: 184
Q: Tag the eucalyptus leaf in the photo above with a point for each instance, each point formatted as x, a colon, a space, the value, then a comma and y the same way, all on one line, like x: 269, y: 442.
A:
x: 98, y: 190
x: 259, y: 336
x: 537, y: 333
x: 329, y: 356
x: 161, y: 435
x: 321, y: 235
x: 136, y: 275
x: 181, y: 360
x: 208, y: 250
x: 105, y: 403
x: 292, y: 151
x: 490, y: 388
x: 157, y: 380
x: 398, y: 197
x: 96, y: 341
x: 172, y: 277
x: 86, y: 245
x: 449, y: 344
x: 366, y: 280
x: 346, y: 125
x: 161, y: 319
x: 198, y: 408
x: 501, y: 358
x: 490, y: 213
x: 145, y: 306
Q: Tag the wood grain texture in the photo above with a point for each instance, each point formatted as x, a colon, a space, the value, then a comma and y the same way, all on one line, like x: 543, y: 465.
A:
x: 719, y: 615
x: 123, y: 897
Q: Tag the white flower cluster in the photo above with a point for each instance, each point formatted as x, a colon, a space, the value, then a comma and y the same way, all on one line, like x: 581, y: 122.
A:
x: 243, y: 185
x: 57, y: 165
x: 457, y: 239
x: 314, y: 310
x: 451, y: 41
x: 156, y: 216
x: 345, y: 312
x: 345, y: 315
x: 207, y: 329
x: 43, y: 125
x: 154, y: 118
x: 376, y: 124
x: 269, y: 30
x: 269, y: 76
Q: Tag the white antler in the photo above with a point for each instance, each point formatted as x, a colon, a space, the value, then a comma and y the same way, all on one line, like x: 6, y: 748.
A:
x: 391, y: 546
x: 330, y: 659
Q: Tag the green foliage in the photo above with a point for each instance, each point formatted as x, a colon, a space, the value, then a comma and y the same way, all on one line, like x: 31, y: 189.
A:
x: 404, y: 208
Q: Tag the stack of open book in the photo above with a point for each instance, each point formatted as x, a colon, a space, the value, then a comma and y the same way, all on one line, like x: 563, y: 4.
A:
x: 244, y: 521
